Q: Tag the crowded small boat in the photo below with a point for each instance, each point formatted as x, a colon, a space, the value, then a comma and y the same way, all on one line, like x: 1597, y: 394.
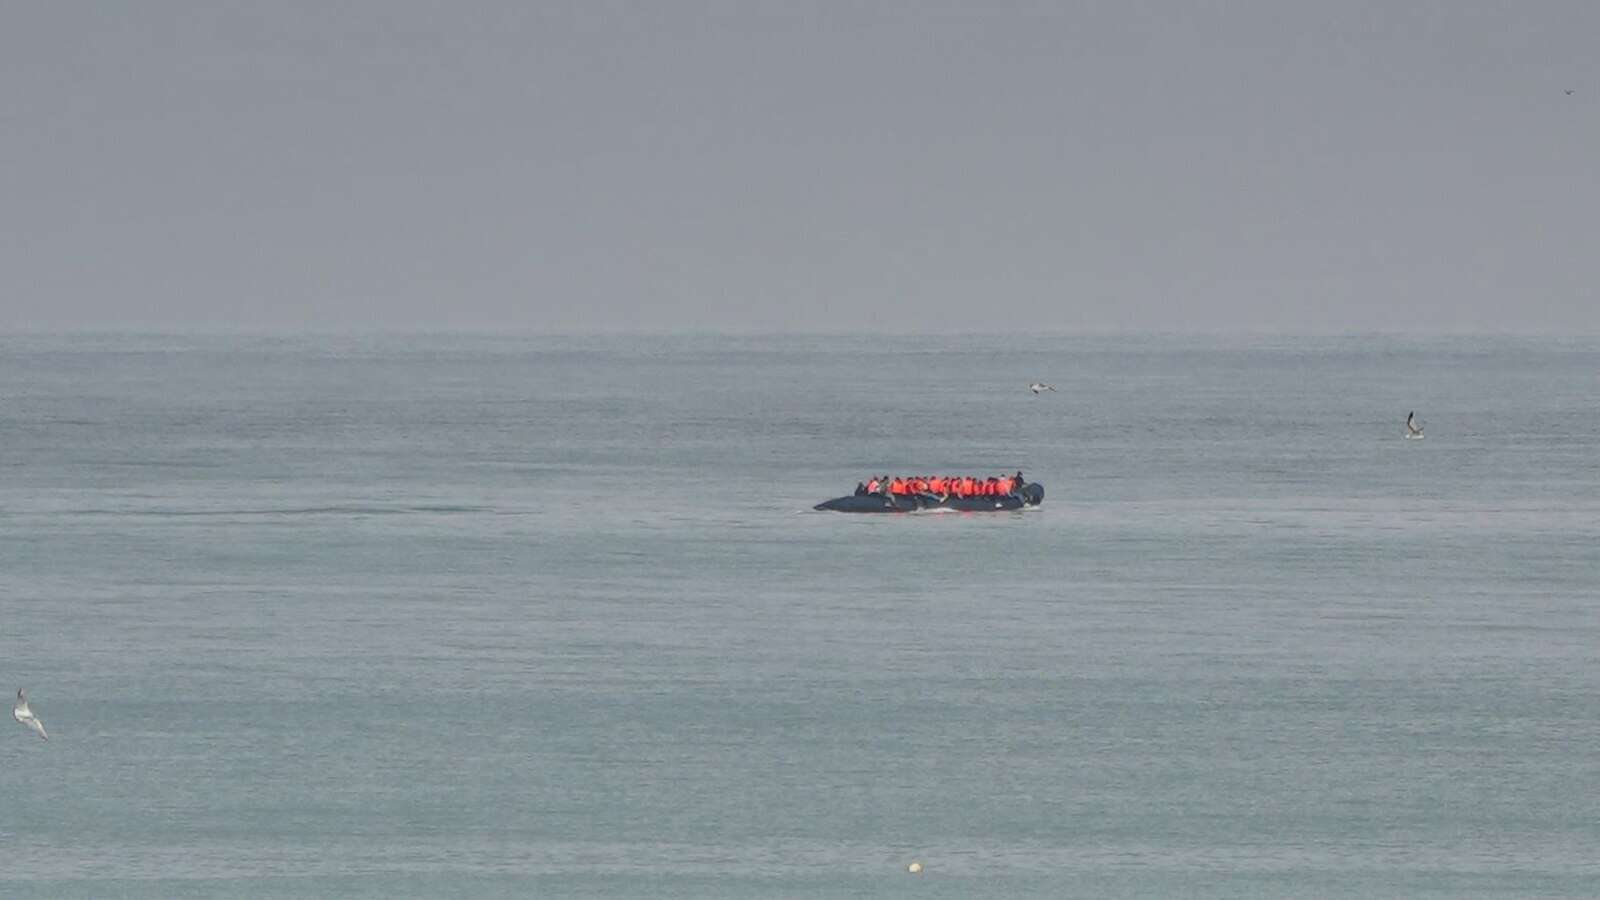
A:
x: 909, y: 493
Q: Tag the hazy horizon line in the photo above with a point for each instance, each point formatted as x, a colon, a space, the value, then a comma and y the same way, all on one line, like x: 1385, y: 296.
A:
x: 528, y: 332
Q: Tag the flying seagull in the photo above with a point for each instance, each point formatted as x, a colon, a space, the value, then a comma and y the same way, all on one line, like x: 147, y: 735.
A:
x: 1039, y: 387
x: 23, y: 714
x: 1413, y: 430
x: 1569, y: 92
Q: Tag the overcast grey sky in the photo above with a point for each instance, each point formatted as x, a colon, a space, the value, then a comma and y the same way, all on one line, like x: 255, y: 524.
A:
x: 1279, y: 166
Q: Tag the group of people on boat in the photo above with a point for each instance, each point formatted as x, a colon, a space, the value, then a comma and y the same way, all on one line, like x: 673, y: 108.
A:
x: 941, y: 485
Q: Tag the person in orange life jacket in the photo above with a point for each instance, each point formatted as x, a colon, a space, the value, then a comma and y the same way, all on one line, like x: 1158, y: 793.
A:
x: 872, y: 484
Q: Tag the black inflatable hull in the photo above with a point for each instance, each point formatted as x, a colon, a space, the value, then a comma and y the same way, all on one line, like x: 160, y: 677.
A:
x: 1030, y: 495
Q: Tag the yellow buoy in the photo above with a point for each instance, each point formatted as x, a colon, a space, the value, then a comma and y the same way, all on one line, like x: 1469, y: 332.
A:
x: 915, y: 868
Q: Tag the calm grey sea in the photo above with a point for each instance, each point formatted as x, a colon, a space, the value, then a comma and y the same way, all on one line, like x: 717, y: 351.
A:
x: 475, y: 616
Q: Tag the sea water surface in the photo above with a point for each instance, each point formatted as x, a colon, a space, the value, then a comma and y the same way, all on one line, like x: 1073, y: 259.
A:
x: 538, y: 616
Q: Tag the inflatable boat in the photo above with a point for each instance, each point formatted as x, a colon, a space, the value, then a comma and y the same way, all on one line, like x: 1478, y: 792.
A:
x: 1031, y: 494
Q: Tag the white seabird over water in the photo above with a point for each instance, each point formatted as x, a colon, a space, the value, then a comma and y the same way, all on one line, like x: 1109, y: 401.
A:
x: 23, y: 714
x: 1413, y: 430
x: 1039, y: 387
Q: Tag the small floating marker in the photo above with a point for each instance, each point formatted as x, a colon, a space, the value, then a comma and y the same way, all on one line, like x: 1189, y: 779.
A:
x: 915, y: 868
